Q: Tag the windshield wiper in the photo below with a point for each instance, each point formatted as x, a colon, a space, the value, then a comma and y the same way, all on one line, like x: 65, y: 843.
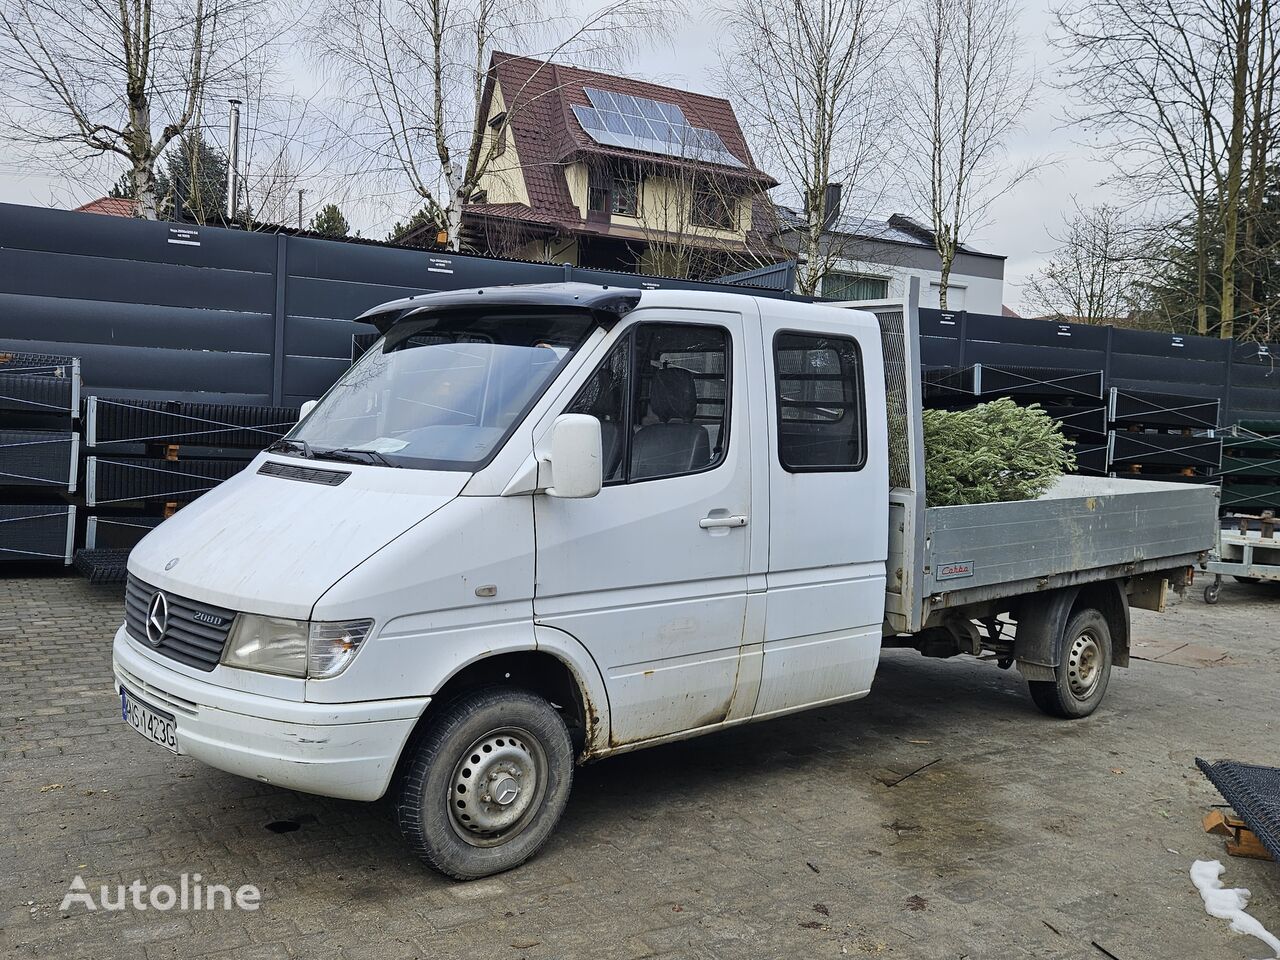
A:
x: 301, y: 446
x: 352, y: 455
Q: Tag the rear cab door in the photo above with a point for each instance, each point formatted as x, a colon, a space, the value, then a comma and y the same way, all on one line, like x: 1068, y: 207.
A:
x: 828, y: 503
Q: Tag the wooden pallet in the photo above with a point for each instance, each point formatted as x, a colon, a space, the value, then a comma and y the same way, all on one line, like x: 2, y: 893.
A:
x: 1241, y: 841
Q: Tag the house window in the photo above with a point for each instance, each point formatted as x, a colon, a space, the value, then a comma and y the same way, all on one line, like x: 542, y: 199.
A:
x: 599, y: 186
x: 625, y: 196
x: 854, y: 286
x: 608, y: 193
x: 956, y: 295
x: 712, y: 209
x: 498, y: 124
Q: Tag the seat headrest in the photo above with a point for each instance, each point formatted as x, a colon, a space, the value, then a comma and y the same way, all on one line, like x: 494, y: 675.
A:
x: 673, y: 394
x: 606, y: 403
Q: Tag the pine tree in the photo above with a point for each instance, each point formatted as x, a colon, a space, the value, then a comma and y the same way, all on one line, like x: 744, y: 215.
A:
x: 419, y: 219
x: 329, y: 222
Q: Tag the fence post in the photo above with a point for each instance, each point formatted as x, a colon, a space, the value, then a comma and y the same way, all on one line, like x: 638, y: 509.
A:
x: 1224, y: 413
x: 1106, y: 361
x: 277, y: 352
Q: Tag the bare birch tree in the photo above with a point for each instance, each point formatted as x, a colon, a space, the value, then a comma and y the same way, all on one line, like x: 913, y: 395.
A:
x: 1182, y: 93
x: 81, y: 80
x: 965, y: 93
x: 1095, y: 273
x: 807, y: 79
x: 413, y: 74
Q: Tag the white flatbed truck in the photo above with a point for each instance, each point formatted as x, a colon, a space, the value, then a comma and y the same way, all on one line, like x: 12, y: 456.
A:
x: 541, y: 525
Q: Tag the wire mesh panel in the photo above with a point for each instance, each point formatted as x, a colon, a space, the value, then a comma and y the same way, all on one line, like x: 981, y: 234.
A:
x: 39, y: 385
x: 110, y: 421
x: 1171, y: 450
x: 36, y: 531
x: 1163, y: 410
x: 897, y: 400
x: 1009, y: 381
x: 39, y: 458
x: 155, y: 482
x: 117, y: 532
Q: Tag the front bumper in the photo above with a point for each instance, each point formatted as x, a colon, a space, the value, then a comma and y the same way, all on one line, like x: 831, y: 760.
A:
x: 345, y: 750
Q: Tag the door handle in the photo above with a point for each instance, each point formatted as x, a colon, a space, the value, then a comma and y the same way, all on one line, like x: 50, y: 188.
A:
x: 707, y: 523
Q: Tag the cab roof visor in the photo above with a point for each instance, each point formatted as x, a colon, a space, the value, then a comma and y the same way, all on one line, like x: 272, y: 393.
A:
x: 607, y: 305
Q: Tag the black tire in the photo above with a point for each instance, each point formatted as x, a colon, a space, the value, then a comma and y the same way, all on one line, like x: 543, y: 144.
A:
x: 1211, y: 593
x: 1084, y: 670
x: 1247, y: 579
x: 515, y: 736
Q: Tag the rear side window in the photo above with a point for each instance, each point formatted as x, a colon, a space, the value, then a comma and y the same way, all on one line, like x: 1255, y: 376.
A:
x: 662, y: 399
x: 820, y: 409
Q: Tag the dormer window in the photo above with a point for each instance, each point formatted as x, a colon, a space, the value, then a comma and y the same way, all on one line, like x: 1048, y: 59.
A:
x: 498, y: 124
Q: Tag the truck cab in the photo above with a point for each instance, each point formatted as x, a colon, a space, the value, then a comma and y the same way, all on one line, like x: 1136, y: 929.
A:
x: 529, y: 527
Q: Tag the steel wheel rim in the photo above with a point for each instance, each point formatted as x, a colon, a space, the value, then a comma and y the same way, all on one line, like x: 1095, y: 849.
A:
x: 1084, y: 666
x: 497, y: 786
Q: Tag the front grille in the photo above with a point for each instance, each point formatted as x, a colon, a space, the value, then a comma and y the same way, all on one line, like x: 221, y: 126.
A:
x: 186, y: 638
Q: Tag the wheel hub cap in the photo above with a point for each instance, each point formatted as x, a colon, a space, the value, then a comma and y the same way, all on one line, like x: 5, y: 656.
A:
x: 495, y: 787
x: 1084, y: 663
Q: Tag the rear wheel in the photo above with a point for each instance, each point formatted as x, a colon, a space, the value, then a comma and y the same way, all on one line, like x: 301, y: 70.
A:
x: 1083, y: 672
x: 487, y: 783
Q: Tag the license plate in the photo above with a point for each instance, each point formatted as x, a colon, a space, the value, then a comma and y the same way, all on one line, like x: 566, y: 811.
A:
x: 153, y: 724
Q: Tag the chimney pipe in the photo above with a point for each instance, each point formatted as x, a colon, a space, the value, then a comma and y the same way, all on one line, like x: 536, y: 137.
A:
x: 233, y: 159
x: 831, y: 204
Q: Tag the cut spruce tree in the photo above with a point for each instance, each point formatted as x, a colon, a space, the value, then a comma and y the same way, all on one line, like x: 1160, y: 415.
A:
x: 993, y: 452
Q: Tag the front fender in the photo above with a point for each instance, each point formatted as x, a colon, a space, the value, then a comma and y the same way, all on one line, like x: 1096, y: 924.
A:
x: 595, y: 698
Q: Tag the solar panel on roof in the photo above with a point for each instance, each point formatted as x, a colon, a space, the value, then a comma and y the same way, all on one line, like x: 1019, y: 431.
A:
x: 652, y: 126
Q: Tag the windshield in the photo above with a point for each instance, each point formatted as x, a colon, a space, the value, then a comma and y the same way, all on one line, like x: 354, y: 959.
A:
x: 440, y: 392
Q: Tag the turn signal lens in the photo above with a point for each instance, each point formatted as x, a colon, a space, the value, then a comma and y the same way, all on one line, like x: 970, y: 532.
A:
x: 332, y: 646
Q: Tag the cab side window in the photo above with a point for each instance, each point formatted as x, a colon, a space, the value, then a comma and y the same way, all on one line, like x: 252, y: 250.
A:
x: 662, y: 399
x: 821, y: 416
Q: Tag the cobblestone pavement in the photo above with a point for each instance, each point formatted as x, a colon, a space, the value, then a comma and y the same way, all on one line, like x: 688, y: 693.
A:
x: 1028, y: 837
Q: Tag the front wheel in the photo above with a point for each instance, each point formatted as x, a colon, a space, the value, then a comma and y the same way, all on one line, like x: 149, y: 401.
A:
x: 1083, y: 671
x: 487, y: 783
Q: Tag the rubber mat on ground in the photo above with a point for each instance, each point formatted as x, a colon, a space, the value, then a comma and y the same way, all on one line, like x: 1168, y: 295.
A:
x: 103, y: 564
x: 1254, y: 791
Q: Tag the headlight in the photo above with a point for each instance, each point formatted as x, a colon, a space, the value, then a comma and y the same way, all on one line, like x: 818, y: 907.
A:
x: 294, y: 648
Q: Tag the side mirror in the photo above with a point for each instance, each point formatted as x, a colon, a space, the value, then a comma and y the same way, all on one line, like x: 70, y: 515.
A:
x: 307, y: 407
x: 575, y: 457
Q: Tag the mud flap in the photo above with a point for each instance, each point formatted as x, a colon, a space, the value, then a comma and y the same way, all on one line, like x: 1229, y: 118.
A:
x: 1037, y: 643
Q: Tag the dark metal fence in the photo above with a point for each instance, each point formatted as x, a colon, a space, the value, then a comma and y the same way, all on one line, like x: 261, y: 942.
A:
x: 163, y: 311
x: 174, y: 312
x: 1243, y: 377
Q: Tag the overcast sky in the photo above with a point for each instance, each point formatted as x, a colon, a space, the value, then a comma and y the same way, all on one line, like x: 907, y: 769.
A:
x: 1021, y: 223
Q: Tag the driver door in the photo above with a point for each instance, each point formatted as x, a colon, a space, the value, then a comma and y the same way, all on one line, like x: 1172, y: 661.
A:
x: 651, y: 574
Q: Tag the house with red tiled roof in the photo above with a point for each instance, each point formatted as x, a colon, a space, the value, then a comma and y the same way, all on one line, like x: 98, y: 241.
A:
x: 604, y: 171
x: 111, y: 207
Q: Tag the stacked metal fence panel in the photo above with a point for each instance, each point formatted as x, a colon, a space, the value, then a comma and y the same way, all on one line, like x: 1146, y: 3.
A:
x: 1072, y: 397
x: 1250, y: 471
x: 39, y: 456
x: 149, y: 458
x: 1163, y: 436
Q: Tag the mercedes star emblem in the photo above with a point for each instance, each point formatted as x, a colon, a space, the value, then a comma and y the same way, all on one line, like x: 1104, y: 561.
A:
x: 157, y: 619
